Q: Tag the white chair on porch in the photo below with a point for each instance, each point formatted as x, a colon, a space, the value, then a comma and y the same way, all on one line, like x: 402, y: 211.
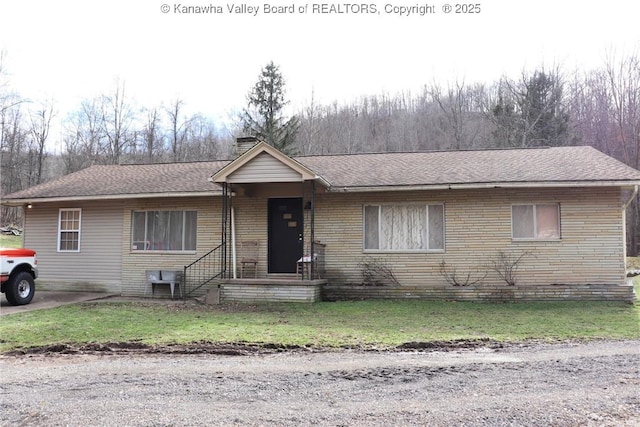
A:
x: 303, y: 266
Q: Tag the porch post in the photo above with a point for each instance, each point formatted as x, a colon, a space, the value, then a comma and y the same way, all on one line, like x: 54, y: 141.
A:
x: 223, y: 252
x: 228, y: 268
x: 304, y: 230
x: 312, y: 226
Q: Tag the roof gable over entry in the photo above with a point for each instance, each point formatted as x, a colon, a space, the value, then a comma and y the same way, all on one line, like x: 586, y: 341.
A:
x: 263, y: 163
x: 264, y: 168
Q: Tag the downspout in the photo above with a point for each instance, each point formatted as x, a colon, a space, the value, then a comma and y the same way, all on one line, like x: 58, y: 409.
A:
x: 634, y: 193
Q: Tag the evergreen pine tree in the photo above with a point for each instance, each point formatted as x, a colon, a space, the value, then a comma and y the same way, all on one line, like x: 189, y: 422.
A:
x: 264, y: 116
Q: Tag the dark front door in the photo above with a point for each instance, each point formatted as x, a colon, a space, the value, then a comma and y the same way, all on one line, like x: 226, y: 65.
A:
x: 285, y: 234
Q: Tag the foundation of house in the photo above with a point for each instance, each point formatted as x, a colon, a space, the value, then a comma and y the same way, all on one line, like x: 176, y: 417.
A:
x: 271, y: 290
x: 498, y: 293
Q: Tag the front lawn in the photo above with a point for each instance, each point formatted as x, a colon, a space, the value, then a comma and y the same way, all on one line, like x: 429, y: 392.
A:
x: 379, y: 324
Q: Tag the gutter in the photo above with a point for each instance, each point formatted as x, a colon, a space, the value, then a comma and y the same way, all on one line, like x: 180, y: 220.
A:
x: 322, y: 181
x: 476, y: 186
x: 26, y: 201
x: 354, y: 189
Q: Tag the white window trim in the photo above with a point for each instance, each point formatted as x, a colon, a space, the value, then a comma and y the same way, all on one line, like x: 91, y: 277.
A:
x: 535, y: 224
x: 406, y: 251
x: 60, y: 231
x: 163, y: 251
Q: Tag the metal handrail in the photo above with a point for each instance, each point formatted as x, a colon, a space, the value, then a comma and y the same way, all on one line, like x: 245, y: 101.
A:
x: 204, y: 270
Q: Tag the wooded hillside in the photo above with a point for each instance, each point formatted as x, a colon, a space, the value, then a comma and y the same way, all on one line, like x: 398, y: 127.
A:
x: 543, y: 107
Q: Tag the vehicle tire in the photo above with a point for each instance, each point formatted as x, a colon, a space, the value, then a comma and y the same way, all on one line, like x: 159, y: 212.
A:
x: 20, y: 289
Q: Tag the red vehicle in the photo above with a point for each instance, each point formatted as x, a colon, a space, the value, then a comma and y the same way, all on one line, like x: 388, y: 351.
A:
x: 18, y: 271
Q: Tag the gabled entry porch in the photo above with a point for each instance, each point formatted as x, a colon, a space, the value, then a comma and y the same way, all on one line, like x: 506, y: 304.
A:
x: 269, y: 199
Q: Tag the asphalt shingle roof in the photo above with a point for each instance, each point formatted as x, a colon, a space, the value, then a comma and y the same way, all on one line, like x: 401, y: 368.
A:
x: 560, y: 165
x: 121, y: 180
x: 543, y: 165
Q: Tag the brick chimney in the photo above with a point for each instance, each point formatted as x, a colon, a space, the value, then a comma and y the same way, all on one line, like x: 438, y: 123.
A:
x: 244, y: 143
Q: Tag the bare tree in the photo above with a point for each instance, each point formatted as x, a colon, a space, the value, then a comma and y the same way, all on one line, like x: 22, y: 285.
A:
x: 8, y: 98
x: 433, y: 120
x: 308, y: 137
x: 117, y: 118
x: 460, y: 113
x: 40, y: 125
x: 624, y: 87
x: 202, y: 141
x: 12, y: 145
x: 530, y: 112
x: 605, y: 113
x: 13, y: 139
x: 589, y: 106
x: 151, y: 136
x: 178, y: 128
x: 84, y: 136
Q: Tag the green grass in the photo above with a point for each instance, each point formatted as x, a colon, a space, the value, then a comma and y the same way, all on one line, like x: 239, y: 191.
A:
x: 381, y: 324
x: 9, y: 241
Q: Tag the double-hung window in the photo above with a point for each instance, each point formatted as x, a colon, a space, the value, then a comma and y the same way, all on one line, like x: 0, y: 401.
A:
x: 69, y: 230
x: 404, y: 227
x: 535, y: 221
x: 164, y: 231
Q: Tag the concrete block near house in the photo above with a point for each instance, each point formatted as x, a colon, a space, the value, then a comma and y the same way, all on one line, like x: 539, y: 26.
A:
x: 213, y: 296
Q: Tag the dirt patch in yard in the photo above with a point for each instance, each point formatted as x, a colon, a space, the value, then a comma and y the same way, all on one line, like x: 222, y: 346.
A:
x: 127, y: 348
x: 246, y: 349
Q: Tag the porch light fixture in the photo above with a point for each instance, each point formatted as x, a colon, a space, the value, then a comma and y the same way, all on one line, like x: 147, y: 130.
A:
x: 29, y: 205
x: 307, y: 206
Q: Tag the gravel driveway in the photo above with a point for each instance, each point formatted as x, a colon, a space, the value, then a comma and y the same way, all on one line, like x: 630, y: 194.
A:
x: 567, y: 384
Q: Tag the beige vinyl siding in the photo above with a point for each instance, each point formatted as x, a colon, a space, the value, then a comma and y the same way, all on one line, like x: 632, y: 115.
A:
x: 97, y: 266
x: 477, y: 227
x: 135, y: 263
x: 264, y: 168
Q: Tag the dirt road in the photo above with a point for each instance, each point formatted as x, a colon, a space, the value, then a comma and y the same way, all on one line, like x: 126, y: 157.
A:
x: 569, y: 384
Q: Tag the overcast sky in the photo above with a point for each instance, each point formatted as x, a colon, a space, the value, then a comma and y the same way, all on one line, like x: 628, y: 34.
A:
x: 69, y: 50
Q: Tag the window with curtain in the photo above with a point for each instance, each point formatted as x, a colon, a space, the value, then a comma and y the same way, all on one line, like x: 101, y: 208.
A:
x: 164, y: 230
x: 405, y: 227
x: 535, y: 221
x: 69, y: 230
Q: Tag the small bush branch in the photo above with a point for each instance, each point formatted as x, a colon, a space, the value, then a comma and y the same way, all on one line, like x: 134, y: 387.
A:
x: 376, y: 272
x: 506, y: 265
x: 452, y: 277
